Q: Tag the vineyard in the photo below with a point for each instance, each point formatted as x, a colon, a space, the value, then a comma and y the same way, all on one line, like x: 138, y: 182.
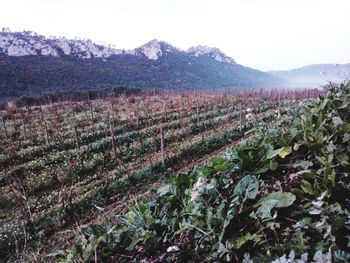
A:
x: 131, y: 173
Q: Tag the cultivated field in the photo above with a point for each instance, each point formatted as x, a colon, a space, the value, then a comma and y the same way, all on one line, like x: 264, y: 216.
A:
x: 62, y: 164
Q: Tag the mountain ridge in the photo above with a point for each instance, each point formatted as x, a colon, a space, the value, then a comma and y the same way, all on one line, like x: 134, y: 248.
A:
x: 29, y: 43
x: 31, y: 64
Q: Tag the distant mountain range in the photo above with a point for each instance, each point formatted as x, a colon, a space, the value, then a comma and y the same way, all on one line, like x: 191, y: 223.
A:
x: 31, y: 64
x: 315, y: 75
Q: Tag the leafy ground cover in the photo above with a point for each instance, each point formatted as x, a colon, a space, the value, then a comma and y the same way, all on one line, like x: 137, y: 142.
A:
x: 62, y: 163
x: 281, y: 197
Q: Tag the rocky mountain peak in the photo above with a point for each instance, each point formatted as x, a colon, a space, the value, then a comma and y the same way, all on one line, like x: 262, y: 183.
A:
x: 212, y: 52
x: 155, y: 49
x: 28, y: 43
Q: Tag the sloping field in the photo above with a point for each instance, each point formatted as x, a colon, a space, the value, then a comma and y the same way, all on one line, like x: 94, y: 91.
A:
x: 62, y: 164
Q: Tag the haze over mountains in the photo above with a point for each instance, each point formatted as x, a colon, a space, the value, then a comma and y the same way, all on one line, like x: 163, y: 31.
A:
x: 315, y: 75
x: 31, y: 64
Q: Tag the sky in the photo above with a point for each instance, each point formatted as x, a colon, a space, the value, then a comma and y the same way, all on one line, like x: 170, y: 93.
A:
x: 263, y: 34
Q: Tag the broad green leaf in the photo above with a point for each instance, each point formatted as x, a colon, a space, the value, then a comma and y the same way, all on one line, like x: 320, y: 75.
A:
x: 346, y: 127
x: 343, y: 158
x: 166, y: 189
x: 303, y: 164
x: 206, y: 170
x: 273, y: 200
x: 281, y: 152
x: 273, y: 165
x: 306, y: 174
x: 273, y: 153
x: 331, y: 177
x: 247, y: 187
x: 285, y: 151
x: 261, y: 170
x: 293, y: 132
x: 307, y: 187
x: 337, y: 223
x: 238, y: 242
x: 217, y: 160
x: 182, y: 182
x: 221, y: 167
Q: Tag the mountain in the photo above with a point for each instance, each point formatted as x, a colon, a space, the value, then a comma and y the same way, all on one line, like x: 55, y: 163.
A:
x: 154, y: 50
x: 211, y: 52
x: 31, y: 64
x: 27, y: 43
x: 315, y: 75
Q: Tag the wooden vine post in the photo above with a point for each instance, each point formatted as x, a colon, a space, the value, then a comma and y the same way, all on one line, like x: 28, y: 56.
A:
x: 24, y: 126
x: 166, y: 110
x: 279, y: 103
x: 113, y: 139
x: 45, y: 126
x: 182, y: 102
x: 140, y: 135
x: 21, y: 198
x: 180, y: 117
x: 241, y: 117
x: 112, y: 111
x: 198, y: 121
x: 228, y: 111
x: 91, y: 114
x: 78, y: 145
x: 76, y: 136
x: 162, y: 145
x: 5, y: 128
x: 73, y: 112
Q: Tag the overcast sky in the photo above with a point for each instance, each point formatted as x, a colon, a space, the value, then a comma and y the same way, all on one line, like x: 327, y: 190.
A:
x: 263, y: 34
